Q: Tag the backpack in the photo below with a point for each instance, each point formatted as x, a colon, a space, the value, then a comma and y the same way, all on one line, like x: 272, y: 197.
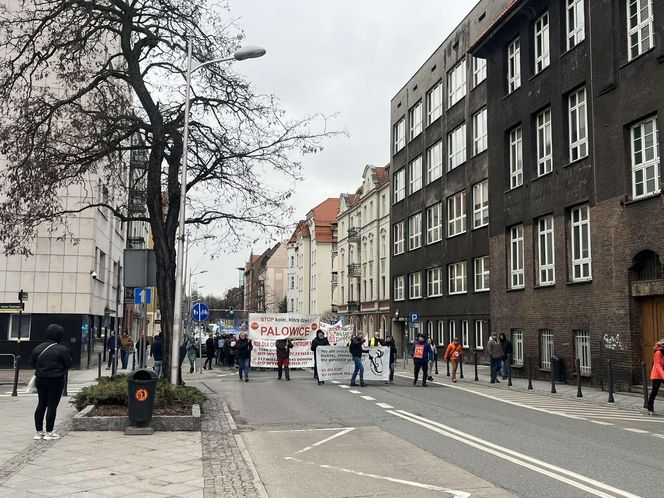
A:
x: 418, y: 351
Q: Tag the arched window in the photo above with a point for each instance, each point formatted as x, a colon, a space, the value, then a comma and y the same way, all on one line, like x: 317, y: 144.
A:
x: 648, y: 266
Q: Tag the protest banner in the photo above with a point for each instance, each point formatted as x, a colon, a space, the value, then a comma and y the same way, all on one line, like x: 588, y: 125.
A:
x: 340, y: 336
x: 336, y: 363
x: 266, y: 328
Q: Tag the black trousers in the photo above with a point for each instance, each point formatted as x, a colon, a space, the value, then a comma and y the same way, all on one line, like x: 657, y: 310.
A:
x: 208, y: 361
x: 424, y: 366
x: 653, y: 394
x: 49, y: 392
x: 111, y: 354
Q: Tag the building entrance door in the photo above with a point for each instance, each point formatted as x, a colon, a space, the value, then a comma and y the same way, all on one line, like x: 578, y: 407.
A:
x: 652, y: 327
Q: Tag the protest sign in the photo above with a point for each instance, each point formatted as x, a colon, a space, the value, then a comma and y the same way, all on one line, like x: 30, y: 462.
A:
x: 336, y: 363
x: 266, y: 328
x: 340, y: 336
x: 264, y: 354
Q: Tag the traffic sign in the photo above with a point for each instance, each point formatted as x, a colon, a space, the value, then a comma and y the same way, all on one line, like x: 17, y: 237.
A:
x: 142, y: 295
x: 414, y: 318
x: 200, y: 312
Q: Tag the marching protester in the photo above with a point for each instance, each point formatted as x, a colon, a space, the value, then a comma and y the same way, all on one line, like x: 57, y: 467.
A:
x: 421, y: 353
x: 126, y: 346
x: 141, y: 347
x: 356, y: 349
x: 319, y: 340
x: 51, y: 360
x: 211, y: 352
x: 496, y: 354
x: 192, y: 353
x: 243, y: 348
x: 432, y: 358
x: 389, y: 342
x: 453, y: 354
x: 111, y: 347
x: 656, y: 375
x: 506, y: 347
x: 283, y: 357
x: 376, y: 340
x: 157, y: 353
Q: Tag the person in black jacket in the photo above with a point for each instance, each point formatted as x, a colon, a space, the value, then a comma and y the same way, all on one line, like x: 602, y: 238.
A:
x: 211, y: 350
x: 356, y: 349
x: 506, y: 346
x: 389, y: 342
x: 243, y: 349
x: 157, y: 353
x: 283, y: 356
x: 319, y: 340
x: 51, y: 360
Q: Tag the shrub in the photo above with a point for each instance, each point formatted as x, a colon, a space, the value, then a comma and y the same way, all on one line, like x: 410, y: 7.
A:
x: 113, y: 391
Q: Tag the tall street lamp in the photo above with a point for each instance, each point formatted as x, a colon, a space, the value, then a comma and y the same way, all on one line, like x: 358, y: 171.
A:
x: 242, y: 54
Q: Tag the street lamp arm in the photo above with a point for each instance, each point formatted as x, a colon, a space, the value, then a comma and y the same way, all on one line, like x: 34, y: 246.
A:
x: 195, y: 65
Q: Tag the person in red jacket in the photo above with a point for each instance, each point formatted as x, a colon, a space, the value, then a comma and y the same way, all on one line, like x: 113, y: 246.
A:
x: 656, y: 375
x: 453, y: 353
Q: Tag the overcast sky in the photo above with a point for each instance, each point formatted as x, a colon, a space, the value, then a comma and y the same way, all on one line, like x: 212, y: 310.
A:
x: 341, y: 57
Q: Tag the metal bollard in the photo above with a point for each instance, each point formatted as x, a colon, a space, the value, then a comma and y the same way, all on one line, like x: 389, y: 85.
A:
x: 17, y: 367
x: 461, y: 367
x: 98, y: 366
x: 509, y: 370
x: 133, y: 360
x: 64, y: 388
x: 644, y: 381
x: 448, y: 367
x: 436, y: 363
x: 553, y: 378
x: 579, y: 394
x: 611, y: 400
x: 530, y: 374
x: 475, y: 357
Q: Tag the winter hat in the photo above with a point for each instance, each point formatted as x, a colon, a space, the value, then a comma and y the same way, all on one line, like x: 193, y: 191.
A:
x: 54, y: 332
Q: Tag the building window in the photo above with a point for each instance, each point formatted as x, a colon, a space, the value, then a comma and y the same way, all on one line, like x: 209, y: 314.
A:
x: 544, y: 143
x: 513, y: 66
x: 434, y: 162
x: 479, y: 71
x: 516, y: 157
x: 430, y: 329
x: 457, y: 277
x: 456, y: 83
x: 399, y: 288
x: 400, y: 185
x: 581, y: 258
x: 582, y: 350
x: 441, y: 332
x: 479, y: 334
x: 578, y: 125
x: 399, y: 135
x: 415, y: 231
x: 482, y: 275
x: 545, y: 251
x: 26, y: 322
x: 399, y: 238
x: 517, y: 347
x: 415, y: 119
x: 415, y: 175
x: 546, y: 348
x: 435, y: 103
x: 451, y: 330
x: 479, y: 132
x: 575, y: 23
x: 456, y: 147
x: 516, y: 257
x: 434, y: 223
x: 542, y: 49
x: 639, y: 27
x: 415, y: 285
x: 481, y: 204
x: 465, y: 339
x: 292, y: 282
x: 101, y: 265
x: 434, y: 282
x: 646, y: 172
x: 456, y: 214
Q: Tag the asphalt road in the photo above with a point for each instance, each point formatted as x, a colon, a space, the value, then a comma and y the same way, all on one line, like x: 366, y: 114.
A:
x: 528, y: 452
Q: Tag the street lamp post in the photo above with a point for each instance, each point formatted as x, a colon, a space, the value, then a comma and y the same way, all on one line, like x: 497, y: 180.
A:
x: 240, y: 55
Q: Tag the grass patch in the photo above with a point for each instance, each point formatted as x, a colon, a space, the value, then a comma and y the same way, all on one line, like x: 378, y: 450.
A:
x: 114, y: 391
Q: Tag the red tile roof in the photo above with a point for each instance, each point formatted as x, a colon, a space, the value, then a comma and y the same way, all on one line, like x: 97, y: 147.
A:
x: 324, y: 215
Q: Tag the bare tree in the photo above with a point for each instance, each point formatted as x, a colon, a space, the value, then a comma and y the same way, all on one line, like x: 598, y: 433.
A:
x: 80, y: 79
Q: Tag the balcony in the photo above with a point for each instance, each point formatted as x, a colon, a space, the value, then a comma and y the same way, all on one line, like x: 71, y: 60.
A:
x: 353, y: 306
x: 354, y: 270
x: 354, y: 234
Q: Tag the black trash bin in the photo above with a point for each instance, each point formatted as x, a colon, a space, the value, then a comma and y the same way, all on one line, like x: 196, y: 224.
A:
x: 142, y: 387
x: 558, y: 366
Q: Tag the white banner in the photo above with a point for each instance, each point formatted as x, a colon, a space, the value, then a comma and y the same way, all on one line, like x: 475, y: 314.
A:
x: 336, y: 363
x: 340, y: 336
x: 264, y: 354
x: 275, y: 326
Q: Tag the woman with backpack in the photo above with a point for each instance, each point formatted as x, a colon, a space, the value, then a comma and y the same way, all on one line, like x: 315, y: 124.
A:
x: 51, y: 360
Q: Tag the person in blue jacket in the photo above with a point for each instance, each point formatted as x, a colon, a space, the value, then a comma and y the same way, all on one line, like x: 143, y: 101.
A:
x: 421, y: 355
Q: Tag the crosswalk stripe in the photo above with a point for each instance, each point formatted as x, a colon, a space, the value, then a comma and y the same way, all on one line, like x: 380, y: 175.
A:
x: 368, y: 398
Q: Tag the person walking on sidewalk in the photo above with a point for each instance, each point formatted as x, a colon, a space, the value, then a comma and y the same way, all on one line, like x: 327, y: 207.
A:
x: 243, y: 348
x: 111, y: 347
x: 356, y: 349
x: 126, y: 346
x: 141, y: 345
x: 283, y: 357
x: 656, y: 375
x: 432, y: 358
x: 192, y: 353
x: 421, y: 353
x: 319, y: 340
x: 210, y: 351
x: 51, y: 360
x: 496, y: 355
x: 506, y: 347
x: 157, y: 353
x: 389, y: 342
x: 453, y: 355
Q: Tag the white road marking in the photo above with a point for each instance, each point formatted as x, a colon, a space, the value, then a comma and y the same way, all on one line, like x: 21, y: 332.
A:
x: 355, y: 392
x: 599, y: 422
x: 368, y: 398
x: 638, y: 431
x: 550, y: 470
x: 323, y: 441
x: 344, y: 387
x: 453, y: 492
x: 310, y: 430
x: 334, y: 381
x: 385, y: 405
